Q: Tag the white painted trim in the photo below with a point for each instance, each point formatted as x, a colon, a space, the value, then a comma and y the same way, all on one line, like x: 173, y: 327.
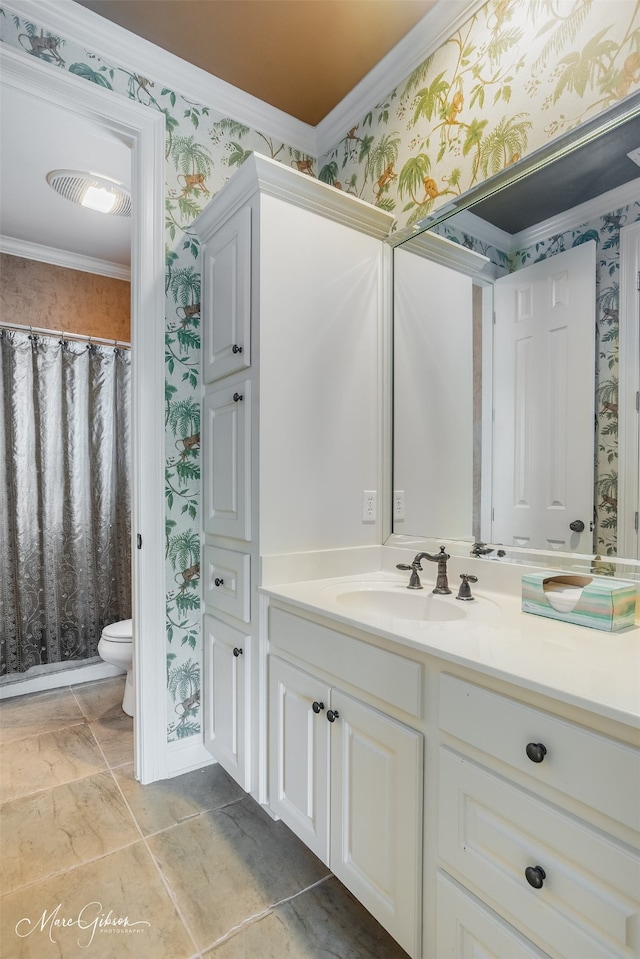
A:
x: 143, y: 130
x: 185, y: 755
x: 112, y: 42
x: 271, y: 178
x: 70, y: 261
x: 577, y: 215
x: 82, y: 26
x: 71, y: 676
x: 567, y: 220
x: 439, y: 249
x: 628, y: 387
x: 435, y: 28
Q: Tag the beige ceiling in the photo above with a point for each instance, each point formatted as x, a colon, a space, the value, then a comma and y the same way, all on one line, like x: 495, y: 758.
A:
x: 302, y: 56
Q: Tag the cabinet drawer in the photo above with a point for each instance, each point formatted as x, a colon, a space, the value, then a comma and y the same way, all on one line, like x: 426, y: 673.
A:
x: 490, y: 832
x: 227, y: 584
x: 593, y: 769
x: 467, y: 930
x: 391, y: 678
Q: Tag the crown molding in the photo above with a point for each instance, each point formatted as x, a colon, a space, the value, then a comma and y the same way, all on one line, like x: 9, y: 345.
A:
x: 567, y: 220
x: 435, y: 28
x: 577, y: 215
x: 272, y: 178
x: 70, y: 261
x: 91, y: 31
x: 88, y: 29
x: 442, y: 250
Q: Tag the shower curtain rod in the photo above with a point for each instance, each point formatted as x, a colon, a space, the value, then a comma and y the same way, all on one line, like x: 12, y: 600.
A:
x: 80, y: 337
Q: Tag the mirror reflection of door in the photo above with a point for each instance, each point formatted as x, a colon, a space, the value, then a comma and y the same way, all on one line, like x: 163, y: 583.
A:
x: 544, y: 360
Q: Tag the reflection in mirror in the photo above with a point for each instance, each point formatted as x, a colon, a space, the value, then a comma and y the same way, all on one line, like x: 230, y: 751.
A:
x: 506, y: 323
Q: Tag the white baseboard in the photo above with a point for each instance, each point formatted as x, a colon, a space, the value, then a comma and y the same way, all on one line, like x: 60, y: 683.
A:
x: 186, y: 755
x: 69, y: 676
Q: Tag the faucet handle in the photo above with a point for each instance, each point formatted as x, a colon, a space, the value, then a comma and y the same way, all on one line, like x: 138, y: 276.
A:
x: 465, y: 590
x: 403, y: 566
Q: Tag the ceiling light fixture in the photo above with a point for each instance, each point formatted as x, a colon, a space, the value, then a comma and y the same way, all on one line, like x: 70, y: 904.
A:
x: 91, y: 190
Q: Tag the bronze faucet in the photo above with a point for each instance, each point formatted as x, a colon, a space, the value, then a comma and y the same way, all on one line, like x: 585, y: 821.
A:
x: 442, y: 584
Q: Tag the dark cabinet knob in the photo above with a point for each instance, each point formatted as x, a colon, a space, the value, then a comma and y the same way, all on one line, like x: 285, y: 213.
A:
x: 332, y: 715
x: 236, y: 651
x: 237, y: 397
x: 317, y: 707
x: 236, y: 349
x: 577, y: 526
x: 218, y: 582
x: 536, y: 752
x: 535, y: 876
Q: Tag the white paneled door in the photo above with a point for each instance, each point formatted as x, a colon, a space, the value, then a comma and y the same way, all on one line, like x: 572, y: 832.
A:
x: 544, y: 395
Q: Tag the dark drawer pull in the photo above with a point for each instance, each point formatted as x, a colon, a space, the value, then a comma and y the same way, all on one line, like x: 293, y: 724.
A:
x: 219, y: 582
x: 317, y: 707
x: 535, y: 876
x: 332, y: 715
x: 536, y: 752
x: 236, y: 651
x: 236, y: 349
x: 237, y: 397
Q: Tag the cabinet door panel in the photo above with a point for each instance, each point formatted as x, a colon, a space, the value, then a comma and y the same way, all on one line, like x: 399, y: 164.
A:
x: 226, y: 702
x: 226, y: 313
x: 299, y: 754
x: 376, y: 814
x: 226, y: 461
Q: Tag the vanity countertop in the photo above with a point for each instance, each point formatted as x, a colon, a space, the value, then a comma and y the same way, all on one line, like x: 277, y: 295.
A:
x: 589, y: 668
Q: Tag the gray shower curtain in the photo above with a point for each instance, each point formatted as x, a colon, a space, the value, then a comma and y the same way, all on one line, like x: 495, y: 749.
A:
x: 65, y: 501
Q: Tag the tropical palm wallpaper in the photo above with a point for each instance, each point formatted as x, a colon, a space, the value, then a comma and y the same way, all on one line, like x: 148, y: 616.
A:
x: 517, y: 74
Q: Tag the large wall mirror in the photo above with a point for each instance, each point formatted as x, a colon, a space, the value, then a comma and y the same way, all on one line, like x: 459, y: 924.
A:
x: 517, y: 356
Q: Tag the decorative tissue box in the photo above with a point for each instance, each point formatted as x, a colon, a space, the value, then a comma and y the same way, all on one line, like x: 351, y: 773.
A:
x: 598, y: 602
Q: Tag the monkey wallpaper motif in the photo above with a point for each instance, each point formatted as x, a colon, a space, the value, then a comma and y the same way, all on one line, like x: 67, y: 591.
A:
x: 517, y: 74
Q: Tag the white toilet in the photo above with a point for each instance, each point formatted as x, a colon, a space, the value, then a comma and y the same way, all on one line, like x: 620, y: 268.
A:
x: 116, y: 647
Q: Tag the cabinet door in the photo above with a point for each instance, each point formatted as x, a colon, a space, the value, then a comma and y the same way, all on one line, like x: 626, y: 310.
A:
x: 227, y: 706
x: 376, y: 815
x: 299, y: 754
x: 226, y: 461
x: 226, y: 299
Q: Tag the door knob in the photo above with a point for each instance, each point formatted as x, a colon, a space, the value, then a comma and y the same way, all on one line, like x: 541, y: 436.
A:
x: 317, y: 707
x: 577, y: 526
x: 236, y: 349
x: 236, y: 651
x: 218, y: 581
x: 332, y: 715
x: 237, y: 397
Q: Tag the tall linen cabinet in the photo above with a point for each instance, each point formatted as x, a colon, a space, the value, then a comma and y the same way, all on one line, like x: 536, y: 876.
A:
x: 293, y: 298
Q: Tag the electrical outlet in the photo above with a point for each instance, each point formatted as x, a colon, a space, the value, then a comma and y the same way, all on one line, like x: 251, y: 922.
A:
x: 369, y: 506
x: 398, y: 504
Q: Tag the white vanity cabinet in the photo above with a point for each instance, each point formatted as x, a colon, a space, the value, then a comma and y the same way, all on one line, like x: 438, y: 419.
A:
x: 539, y: 819
x: 292, y: 326
x: 520, y: 809
x: 345, y: 776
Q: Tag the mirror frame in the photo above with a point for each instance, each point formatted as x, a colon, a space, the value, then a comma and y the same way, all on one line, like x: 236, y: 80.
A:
x: 605, y: 122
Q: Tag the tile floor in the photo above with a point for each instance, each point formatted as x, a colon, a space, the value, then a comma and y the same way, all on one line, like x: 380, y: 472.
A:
x: 193, y: 864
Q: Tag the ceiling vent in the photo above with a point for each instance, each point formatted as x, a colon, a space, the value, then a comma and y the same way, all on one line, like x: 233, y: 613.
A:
x: 91, y: 190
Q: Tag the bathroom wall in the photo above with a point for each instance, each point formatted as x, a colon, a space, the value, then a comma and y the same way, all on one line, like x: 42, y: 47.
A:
x: 57, y: 298
x: 518, y: 74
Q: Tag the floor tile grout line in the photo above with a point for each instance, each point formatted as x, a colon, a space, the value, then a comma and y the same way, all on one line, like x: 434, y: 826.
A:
x: 163, y: 879
x: 267, y: 911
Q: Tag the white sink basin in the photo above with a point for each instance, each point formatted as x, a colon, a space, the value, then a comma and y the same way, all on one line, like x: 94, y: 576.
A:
x: 402, y: 603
